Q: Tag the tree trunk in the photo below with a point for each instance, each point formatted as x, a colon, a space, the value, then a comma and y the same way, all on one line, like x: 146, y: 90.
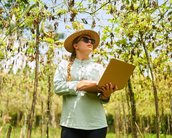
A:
x: 129, y: 111
x: 153, y: 86
x: 48, y: 106
x: 124, y: 118
x: 133, y: 110
x: 117, y: 122
x: 171, y: 115
x: 9, y: 131
x: 42, y: 119
x: 32, y: 111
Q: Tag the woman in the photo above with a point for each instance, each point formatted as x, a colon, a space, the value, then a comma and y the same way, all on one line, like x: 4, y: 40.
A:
x: 82, y: 115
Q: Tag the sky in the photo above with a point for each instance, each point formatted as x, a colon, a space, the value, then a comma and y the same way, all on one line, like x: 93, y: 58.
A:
x: 102, y: 15
x: 20, y: 60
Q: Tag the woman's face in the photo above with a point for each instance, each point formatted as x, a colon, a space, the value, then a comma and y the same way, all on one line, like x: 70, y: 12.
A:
x: 84, y: 44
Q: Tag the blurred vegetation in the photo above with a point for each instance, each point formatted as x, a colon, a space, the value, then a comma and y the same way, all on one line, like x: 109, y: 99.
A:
x: 135, y: 31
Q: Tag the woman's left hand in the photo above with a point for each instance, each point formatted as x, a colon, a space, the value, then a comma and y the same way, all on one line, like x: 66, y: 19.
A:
x: 107, y: 90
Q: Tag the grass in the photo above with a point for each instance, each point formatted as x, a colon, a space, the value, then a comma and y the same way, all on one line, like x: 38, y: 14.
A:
x: 112, y: 135
x: 55, y: 133
x: 36, y: 132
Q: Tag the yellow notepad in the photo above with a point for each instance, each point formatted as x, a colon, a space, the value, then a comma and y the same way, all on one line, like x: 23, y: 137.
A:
x: 117, y: 72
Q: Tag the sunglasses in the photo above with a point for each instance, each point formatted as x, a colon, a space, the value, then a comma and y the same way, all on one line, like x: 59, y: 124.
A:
x: 87, y: 40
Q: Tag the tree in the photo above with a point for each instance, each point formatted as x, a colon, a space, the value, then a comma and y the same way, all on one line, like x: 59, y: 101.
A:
x: 137, y: 32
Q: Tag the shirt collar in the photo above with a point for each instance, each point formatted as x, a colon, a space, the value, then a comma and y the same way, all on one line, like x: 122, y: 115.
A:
x: 85, y: 61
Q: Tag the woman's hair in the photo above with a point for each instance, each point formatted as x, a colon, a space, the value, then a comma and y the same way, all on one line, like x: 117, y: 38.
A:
x: 71, y: 60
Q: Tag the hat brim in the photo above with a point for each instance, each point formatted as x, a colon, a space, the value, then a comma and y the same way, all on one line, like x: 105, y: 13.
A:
x: 68, y: 43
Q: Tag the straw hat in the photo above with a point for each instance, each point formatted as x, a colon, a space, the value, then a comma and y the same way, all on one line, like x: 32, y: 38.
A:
x: 69, y: 40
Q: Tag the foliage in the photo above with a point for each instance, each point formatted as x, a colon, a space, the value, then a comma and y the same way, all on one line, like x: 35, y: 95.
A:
x: 124, y: 26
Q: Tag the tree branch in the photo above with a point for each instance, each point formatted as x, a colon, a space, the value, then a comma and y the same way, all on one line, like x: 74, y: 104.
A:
x: 98, y: 8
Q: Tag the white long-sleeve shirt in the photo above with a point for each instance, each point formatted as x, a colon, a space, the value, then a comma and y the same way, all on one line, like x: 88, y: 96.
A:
x: 80, y: 109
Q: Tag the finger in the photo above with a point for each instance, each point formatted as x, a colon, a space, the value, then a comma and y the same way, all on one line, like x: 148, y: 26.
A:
x: 107, y: 87
x: 111, y: 86
x: 115, y: 88
x: 102, y: 89
x: 106, y: 91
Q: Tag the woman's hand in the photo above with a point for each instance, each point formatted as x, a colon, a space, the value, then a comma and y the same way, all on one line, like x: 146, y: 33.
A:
x: 83, y: 85
x: 107, y: 90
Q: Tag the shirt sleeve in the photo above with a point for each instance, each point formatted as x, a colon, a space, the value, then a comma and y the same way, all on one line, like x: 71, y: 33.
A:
x: 61, y: 86
x: 103, y: 101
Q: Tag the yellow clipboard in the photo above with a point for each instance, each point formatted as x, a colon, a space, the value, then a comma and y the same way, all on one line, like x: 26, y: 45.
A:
x: 117, y: 72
